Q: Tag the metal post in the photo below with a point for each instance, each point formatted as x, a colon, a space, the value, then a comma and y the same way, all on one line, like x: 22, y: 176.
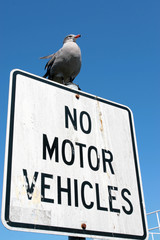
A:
x: 158, y: 220
x: 76, y: 238
x: 152, y: 236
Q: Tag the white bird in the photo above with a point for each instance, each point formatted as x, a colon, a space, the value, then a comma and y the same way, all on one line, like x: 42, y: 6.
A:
x: 65, y: 64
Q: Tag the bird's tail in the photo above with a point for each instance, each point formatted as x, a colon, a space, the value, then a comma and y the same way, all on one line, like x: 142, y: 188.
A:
x: 46, y: 74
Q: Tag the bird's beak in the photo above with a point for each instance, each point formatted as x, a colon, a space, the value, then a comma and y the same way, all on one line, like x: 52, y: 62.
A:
x: 77, y: 36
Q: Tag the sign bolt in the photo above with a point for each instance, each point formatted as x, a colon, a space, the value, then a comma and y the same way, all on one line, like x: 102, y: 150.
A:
x: 77, y: 96
x: 83, y: 226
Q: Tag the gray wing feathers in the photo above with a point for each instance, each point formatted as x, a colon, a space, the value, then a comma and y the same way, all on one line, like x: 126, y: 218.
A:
x: 49, y: 56
x: 51, y: 61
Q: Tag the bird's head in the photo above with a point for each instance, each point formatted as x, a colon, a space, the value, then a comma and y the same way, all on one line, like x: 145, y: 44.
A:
x: 71, y: 38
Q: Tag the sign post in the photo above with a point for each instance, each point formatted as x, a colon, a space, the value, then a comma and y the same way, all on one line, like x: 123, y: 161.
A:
x: 71, y: 164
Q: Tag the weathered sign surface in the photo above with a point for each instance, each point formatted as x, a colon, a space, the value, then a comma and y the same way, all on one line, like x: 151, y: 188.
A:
x: 71, y: 163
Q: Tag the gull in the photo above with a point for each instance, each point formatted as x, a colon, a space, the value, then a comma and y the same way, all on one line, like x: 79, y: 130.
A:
x: 65, y: 64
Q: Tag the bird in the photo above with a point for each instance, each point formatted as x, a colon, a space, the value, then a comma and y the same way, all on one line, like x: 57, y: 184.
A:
x: 65, y: 64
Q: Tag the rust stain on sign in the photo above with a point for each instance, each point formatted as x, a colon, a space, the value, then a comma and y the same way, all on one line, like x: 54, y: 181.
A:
x: 100, y: 116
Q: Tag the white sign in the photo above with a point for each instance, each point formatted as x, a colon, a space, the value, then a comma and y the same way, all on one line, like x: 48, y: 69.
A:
x: 71, y: 163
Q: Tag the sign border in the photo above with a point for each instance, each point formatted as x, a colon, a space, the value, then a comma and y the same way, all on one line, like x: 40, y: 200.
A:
x: 7, y: 179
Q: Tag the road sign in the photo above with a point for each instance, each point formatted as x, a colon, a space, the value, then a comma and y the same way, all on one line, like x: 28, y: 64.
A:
x: 71, y: 164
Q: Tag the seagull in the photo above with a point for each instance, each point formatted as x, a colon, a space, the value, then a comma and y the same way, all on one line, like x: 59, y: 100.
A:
x: 65, y: 64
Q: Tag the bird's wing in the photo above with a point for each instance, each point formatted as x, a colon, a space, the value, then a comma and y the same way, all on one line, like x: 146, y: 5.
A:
x: 49, y: 56
x: 51, y: 61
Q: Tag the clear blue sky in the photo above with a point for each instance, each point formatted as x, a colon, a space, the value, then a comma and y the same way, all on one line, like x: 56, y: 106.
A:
x: 120, y: 47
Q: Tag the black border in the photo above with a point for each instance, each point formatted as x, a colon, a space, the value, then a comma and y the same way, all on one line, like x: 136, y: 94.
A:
x: 9, y: 166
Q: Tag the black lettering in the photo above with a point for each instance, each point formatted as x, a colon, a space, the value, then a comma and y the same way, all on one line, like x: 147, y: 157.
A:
x: 29, y: 188
x: 71, y: 161
x: 108, y: 160
x: 90, y: 159
x: 45, y: 186
x: 98, y: 199
x: 88, y: 130
x: 88, y: 206
x: 81, y: 153
x: 65, y: 190
x: 50, y: 149
x: 111, y: 198
x: 125, y: 190
x: 76, y: 192
x: 73, y: 119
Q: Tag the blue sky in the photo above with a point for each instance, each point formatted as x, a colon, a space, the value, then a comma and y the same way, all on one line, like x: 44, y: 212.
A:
x: 120, y: 47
